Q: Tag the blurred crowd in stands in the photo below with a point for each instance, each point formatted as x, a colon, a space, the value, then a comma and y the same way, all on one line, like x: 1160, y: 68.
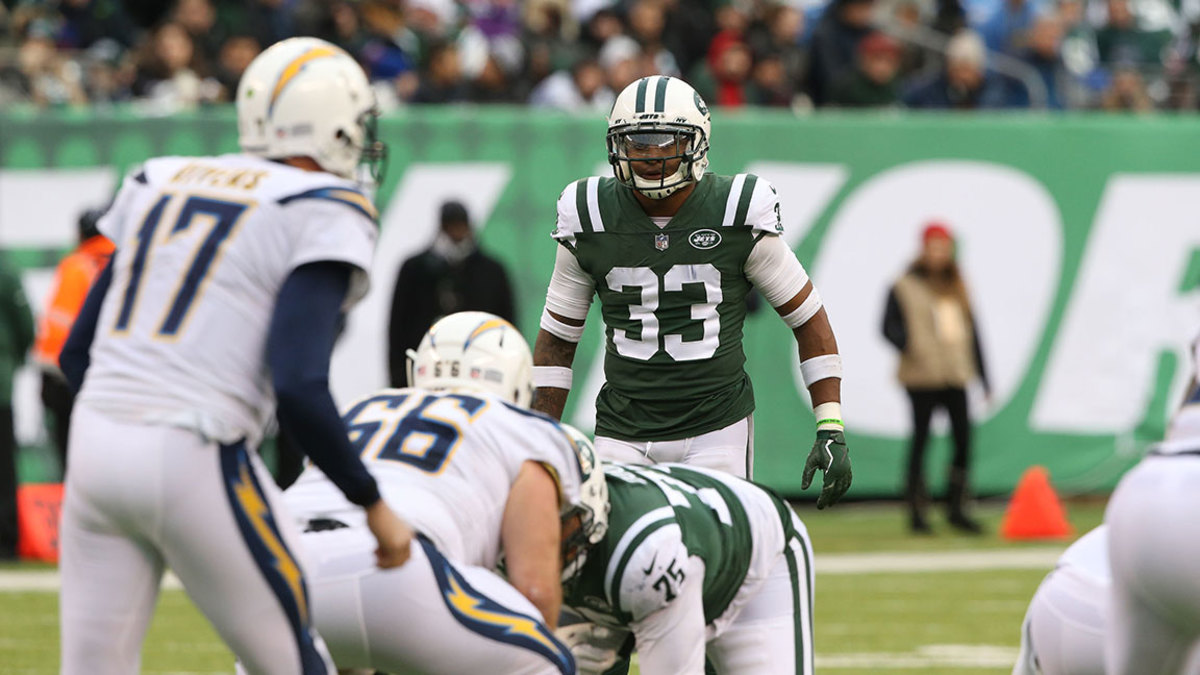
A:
x: 161, y: 57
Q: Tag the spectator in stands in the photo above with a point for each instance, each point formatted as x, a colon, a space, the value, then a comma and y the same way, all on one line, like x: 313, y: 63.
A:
x: 390, y: 50
x: 579, y: 89
x: 872, y: 84
x: 72, y: 280
x: 929, y: 319
x: 46, y: 76
x: 689, y: 29
x: 550, y: 39
x: 835, y: 45
x: 1006, y: 31
x: 725, y: 81
x: 621, y: 63
x: 16, y: 336
x: 84, y: 22
x: 769, y: 85
x: 778, y: 35
x: 199, y: 19
x: 452, y: 275
x: 647, y: 21
x: 1126, y: 92
x: 236, y: 54
x: 170, y: 74
x: 1122, y: 40
x: 964, y: 83
x: 442, y: 81
x: 1043, y: 53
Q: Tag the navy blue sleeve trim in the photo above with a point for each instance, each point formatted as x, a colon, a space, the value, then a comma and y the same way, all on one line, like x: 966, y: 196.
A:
x: 303, y: 330
x: 343, y: 195
x: 76, y: 352
x: 141, y: 178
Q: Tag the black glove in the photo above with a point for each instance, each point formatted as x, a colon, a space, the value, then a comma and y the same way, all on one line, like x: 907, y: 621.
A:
x: 832, y: 457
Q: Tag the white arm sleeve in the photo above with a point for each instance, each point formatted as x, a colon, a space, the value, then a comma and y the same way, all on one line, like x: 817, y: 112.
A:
x: 571, y: 289
x: 775, y: 270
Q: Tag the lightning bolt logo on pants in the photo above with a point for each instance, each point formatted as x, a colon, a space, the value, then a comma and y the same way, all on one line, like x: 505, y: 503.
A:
x: 257, y: 512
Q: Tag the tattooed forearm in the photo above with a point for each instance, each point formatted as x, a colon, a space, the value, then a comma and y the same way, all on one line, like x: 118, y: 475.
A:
x: 552, y: 351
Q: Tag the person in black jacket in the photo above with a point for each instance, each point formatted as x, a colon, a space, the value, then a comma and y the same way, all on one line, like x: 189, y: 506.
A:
x: 452, y: 275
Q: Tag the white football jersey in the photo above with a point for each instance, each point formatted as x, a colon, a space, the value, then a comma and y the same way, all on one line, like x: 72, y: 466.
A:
x: 1089, y: 555
x: 204, y: 245
x: 444, y: 461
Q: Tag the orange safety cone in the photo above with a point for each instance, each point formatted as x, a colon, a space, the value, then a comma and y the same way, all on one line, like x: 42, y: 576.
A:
x: 1035, y: 512
x: 38, y: 507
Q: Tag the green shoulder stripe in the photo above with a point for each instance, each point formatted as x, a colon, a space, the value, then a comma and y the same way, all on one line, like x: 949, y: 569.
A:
x: 628, y: 545
x: 743, y: 206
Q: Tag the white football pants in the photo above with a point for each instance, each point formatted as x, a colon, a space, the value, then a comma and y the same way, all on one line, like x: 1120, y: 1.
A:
x: 140, y: 498
x: 430, y: 615
x: 1154, y: 543
x: 730, y: 449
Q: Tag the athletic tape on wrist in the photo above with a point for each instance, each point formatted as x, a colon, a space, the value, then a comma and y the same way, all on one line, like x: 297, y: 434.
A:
x: 829, y: 416
x: 821, y: 367
x: 807, y: 310
x: 558, y: 377
x: 560, y: 330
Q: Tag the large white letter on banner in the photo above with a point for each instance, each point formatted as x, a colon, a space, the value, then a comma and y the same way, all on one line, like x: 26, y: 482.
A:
x: 1126, y: 308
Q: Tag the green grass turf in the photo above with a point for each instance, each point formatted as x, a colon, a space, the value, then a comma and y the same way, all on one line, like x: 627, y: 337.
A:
x: 865, y: 623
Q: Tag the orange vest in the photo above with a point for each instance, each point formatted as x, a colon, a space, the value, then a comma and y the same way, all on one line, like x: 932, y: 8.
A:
x: 72, y: 280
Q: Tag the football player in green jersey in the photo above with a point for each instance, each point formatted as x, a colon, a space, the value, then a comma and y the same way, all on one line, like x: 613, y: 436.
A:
x: 692, y: 563
x: 672, y: 253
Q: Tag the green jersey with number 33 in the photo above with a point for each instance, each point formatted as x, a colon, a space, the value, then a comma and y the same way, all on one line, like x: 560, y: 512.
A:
x: 673, y: 299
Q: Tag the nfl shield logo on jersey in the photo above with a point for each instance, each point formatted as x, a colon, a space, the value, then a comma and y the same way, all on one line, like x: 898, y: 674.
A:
x: 661, y: 241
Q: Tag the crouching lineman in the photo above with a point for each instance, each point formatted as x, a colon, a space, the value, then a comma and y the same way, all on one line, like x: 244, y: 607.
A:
x: 482, y: 480
x: 1154, y: 543
x: 691, y: 562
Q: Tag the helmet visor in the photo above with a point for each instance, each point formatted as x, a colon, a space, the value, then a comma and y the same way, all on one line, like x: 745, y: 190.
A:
x: 374, y: 151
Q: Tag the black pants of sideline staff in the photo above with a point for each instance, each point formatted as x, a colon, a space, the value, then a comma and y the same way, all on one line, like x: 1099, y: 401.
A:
x: 954, y: 401
x: 8, y: 484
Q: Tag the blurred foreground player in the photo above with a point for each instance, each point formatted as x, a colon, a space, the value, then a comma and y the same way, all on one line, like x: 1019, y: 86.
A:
x: 483, y: 480
x: 224, y: 293
x: 1154, y: 542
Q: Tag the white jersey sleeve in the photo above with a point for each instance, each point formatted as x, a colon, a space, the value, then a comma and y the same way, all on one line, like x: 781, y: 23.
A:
x: 569, y: 223
x: 112, y: 224
x: 775, y: 270
x: 763, y: 213
x: 334, y: 223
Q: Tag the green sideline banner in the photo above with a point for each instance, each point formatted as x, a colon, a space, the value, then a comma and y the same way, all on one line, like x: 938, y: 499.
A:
x: 1079, y: 237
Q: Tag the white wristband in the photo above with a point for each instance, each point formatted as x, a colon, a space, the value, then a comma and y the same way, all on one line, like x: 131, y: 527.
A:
x: 821, y: 367
x: 807, y: 310
x: 560, y: 330
x: 557, y: 377
x: 829, y: 416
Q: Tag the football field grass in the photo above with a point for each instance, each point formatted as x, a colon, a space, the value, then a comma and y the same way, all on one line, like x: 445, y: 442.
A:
x: 951, y: 618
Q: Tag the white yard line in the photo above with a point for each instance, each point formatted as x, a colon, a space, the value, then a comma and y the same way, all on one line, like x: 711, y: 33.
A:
x: 910, y: 562
x: 1040, y: 558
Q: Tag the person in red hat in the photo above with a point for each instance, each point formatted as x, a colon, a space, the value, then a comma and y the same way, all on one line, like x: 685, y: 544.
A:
x: 929, y: 319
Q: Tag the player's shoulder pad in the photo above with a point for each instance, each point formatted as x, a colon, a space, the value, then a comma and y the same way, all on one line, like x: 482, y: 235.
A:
x: 654, y: 572
x: 579, y: 209
x: 338, y: 193
x: 754, y: 203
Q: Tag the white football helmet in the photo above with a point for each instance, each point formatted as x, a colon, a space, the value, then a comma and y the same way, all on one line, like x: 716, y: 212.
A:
x: 305, y: 97
x: 475, y: 351
x: 593, y: 508
x: 659, y: 111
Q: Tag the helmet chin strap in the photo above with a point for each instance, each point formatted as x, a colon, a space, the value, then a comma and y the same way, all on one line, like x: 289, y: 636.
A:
x: 653, y: 188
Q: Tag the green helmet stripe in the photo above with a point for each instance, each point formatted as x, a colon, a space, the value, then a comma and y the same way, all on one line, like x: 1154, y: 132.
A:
x: 660, y: 95
x: 640, y: 105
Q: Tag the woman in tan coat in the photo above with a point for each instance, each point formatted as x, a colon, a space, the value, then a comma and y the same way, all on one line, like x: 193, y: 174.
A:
x: 929, y: 319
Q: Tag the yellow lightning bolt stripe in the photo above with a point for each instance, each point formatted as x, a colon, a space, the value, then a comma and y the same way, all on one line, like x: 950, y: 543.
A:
x: 486, y: 326
x: 355, y: 198
x: 468, y: 605
x: 292, y: 69
x: 256, y: 510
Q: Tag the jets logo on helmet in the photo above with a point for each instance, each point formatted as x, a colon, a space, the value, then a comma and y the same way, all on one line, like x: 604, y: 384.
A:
x: 656, y: 123
x: 304, y: 97
x: 474, y: 351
